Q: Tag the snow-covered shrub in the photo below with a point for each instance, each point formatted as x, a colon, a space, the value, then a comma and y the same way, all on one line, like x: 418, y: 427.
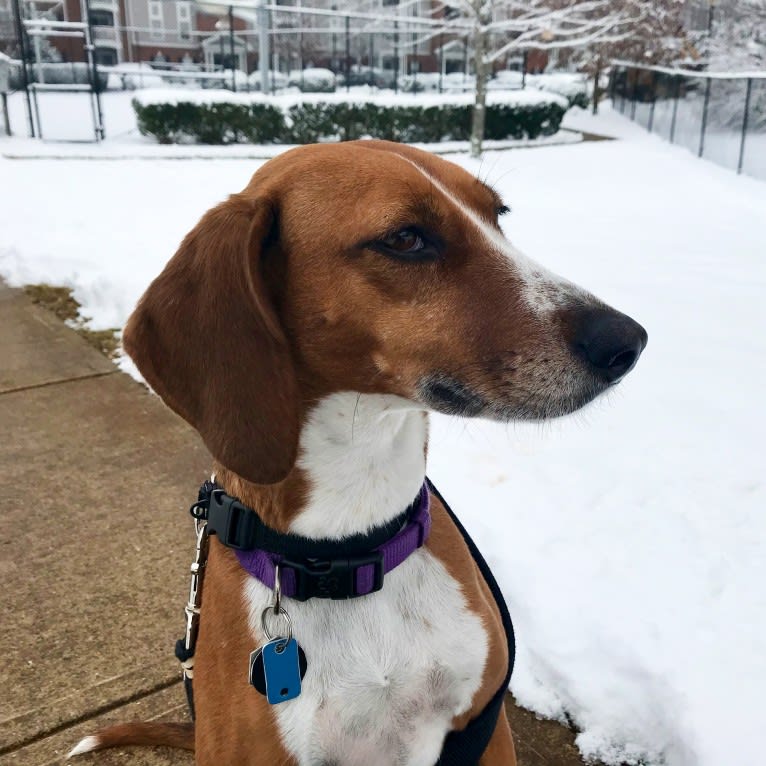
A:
x: 425, y: 82
x: 176, y: 116
x: 423, y: 123
x: 506, y: 79
x: 129, y: 76
x: 313, y: 80
x: 573, y: 87
x: 241, y: 80
x: 277, y: 80
x: 210, y: 123
x: 312, y: 122
x: 364, y: 75
x: 457, y: 82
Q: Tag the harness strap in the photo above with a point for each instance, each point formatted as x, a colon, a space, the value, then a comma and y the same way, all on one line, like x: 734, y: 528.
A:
x: 461, y: 748
x: 465, y: 748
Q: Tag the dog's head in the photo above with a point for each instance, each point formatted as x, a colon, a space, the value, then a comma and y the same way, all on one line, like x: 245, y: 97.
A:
x: 369, y: 267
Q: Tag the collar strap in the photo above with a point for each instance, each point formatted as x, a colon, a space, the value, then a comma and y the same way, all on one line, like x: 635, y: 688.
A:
x: 336, y: 569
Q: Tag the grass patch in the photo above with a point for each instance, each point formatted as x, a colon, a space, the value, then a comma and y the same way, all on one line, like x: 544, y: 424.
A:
x: 64, y: 305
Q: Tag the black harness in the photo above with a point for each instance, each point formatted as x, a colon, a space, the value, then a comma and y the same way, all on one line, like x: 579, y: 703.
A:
x: 461, y: 748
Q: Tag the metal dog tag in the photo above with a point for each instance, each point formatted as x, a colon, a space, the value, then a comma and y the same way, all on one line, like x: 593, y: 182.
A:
x: 277, y: 668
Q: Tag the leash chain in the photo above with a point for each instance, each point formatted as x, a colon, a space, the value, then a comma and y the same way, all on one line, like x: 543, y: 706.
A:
x: 193, y: 605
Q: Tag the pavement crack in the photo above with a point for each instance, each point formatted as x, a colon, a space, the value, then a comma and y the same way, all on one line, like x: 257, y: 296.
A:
x: 57, y: 382
x: 89, y: 715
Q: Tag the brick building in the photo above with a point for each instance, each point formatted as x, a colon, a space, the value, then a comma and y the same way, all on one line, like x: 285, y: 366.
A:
x: 188, y: 34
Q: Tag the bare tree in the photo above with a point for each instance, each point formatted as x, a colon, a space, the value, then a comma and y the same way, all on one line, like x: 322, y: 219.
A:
x: 500, y: 28
x: 735, y: 35
x: 657, y: 36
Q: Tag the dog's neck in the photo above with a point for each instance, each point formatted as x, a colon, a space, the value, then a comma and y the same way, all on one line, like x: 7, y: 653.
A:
x: 361, y: 462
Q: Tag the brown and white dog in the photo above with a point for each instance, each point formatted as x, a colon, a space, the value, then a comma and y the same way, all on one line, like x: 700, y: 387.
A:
x: 305, y: 328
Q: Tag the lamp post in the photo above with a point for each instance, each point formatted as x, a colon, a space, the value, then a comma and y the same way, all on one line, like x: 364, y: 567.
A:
x: 222, y: 26
x: 263, y: 44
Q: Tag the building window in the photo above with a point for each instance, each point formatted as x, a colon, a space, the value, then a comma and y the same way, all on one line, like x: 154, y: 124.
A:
x: 183, y: 13
x: 155, y: 19
x: 101, y: 18
x: 106, y: 56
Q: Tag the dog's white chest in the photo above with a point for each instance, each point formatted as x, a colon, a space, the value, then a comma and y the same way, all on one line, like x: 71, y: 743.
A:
x: 386, y: 672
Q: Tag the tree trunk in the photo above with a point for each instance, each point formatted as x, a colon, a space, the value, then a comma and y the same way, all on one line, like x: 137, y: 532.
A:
x: 482, y: 76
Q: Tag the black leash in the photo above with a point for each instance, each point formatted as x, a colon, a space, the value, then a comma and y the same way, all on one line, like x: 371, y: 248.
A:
x: 461, y: 748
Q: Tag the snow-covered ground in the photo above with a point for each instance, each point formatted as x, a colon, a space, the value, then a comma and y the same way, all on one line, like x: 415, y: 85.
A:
x: 630, y: 539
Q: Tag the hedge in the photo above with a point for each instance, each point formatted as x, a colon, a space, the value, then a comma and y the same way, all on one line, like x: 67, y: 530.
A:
x: 258, y: 121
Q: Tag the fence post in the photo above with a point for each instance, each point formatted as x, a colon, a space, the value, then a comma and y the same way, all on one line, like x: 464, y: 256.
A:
x: 524, y: 57
x: 441, y: 62
x: 274, y: 56
x: 624, y: 96
x: 371, y: 60
x: 704, y: 117
x: 677, y: 79
x: 633, y: 95
x: 396, y: 56
x: 6, y: 118
x: 24, y: 72
x: 300, y: 44
x: 347, y: 68
x: 744, y: 124
x: 465, y: 59
x: 623, y: 89
x: 90, y: 54
x: 262, y: 14
x: 231, y: 50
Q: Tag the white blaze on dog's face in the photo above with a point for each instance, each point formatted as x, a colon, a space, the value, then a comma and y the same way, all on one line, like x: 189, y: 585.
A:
x: 365, y: 267
x: 415, y: 291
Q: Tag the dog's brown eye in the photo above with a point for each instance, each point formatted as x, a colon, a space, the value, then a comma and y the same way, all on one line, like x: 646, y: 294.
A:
x: 405, y: 241
x: 409, y: 245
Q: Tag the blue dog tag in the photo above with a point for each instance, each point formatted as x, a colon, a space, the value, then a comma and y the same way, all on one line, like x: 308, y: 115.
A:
x: 282, y: 670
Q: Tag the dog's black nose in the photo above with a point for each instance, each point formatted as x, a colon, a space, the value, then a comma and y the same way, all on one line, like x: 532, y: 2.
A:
x: 609, y: 341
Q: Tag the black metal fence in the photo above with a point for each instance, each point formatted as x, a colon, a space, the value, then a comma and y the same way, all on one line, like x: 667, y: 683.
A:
x: 388, y: 48
x: 721, y: 117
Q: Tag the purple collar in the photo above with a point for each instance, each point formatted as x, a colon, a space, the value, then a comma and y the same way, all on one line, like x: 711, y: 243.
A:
x: 336, y: 569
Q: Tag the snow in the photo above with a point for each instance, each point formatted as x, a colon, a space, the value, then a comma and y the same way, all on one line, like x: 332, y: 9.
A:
x: 630, y: 540
x: 564, y: 83
x: 357, y: 96
x: 118, y: 150
x: 713, y: 74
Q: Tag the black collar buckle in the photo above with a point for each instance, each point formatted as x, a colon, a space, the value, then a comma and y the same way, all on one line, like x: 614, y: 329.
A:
x: 233, y: 522
x: 334, y: 578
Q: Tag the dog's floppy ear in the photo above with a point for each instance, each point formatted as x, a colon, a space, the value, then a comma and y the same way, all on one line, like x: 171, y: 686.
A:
x: 208, y: 341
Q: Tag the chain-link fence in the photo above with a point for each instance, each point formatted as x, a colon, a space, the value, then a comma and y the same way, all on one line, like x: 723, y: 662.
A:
x: 721, y: 117
x: 413, y: 48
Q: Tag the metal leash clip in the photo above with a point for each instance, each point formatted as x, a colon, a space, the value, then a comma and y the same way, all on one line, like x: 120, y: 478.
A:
x: 192, y: 608
x: 276, y: 609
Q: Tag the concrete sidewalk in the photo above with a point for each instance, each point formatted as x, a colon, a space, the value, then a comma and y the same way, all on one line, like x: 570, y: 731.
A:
x: 95, y: 551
